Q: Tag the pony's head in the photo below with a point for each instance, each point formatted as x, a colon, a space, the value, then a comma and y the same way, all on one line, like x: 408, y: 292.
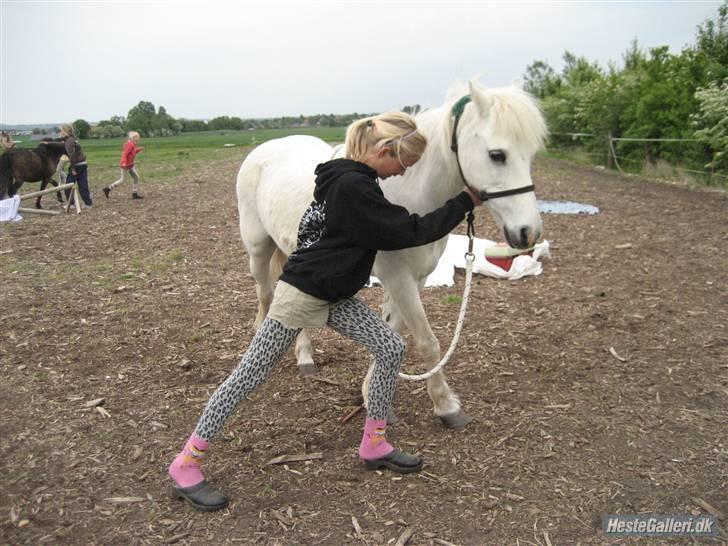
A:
x: 52, y: 149
x: 497, y: 135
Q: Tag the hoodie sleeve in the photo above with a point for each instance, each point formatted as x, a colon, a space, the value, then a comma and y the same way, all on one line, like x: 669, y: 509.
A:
x: 363, y: 215
x: 70, y: 144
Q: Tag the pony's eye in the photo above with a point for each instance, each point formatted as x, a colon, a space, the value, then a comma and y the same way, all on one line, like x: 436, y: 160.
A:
x: 498, y: 156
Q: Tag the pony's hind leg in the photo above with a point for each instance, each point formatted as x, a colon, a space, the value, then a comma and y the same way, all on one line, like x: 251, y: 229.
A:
x: 59, y: 194
x: 266, y: 264
x: 260, y: 253
x: 304, y: 354
x: 37, y: 199
x: 304, y: 349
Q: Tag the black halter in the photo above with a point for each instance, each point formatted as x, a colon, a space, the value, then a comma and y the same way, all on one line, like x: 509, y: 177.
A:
x: 457, y: 112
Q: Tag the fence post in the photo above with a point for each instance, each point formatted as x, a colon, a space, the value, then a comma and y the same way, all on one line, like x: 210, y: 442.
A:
x: 610, y: 155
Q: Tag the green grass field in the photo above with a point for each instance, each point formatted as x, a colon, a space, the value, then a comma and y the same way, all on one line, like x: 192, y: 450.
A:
x: 165, y: 157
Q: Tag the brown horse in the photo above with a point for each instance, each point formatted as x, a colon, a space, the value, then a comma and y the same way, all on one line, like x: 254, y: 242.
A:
x: 18, y: 166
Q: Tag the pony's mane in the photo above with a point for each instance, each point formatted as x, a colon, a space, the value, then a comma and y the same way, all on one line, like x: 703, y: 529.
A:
x: 515, y: 113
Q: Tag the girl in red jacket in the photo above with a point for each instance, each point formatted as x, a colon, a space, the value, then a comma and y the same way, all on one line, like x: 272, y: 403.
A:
x: 127, y: 166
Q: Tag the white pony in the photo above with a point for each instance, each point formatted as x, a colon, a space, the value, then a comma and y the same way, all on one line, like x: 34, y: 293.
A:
x: 485, y: 137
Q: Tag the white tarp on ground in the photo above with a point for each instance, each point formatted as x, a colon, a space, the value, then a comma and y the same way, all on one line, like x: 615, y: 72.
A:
x: 9, y: 209
x: 566, y: 207
x: 454, y: 256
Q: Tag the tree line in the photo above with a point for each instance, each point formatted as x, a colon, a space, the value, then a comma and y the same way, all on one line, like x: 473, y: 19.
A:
x: 654, y: 95
x: 151, y: 121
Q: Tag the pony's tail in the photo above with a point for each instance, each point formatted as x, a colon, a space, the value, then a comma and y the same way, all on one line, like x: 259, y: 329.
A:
x: 6, y: 175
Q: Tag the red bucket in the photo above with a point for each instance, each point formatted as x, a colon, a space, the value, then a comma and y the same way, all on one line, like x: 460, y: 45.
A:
x: 502, y: 255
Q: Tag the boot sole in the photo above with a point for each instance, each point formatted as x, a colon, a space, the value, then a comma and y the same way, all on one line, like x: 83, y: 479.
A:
x: 177, y: 494
x: 376, y: 464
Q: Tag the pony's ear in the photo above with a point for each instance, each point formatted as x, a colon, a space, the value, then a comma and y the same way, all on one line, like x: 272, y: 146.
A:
x: 480, y: 99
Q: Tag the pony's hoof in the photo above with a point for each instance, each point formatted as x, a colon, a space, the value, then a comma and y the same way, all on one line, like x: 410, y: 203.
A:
x: 456, y: 421
x: 307, y: 369
x: 392, y: 417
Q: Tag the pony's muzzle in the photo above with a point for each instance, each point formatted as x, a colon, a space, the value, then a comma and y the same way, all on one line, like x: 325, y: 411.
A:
x: 523, y: 237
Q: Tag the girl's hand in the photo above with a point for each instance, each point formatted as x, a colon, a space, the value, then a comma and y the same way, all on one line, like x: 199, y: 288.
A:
x: 476, y: 200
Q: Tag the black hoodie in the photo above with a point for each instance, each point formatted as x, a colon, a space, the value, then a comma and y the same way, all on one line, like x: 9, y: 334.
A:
x: 349, y: 220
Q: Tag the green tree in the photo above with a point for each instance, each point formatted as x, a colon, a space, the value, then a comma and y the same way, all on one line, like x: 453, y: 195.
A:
x: 118, y: 120
x: 711, y: 122
x: 192, y: 125
x: 654, y: 95
x: 109, y: 128
x: 633, y: 57
x: 219, y: 123
x: 162, y: 123
x: 566, y: 99
x: 712, y: 43
x: 541, y: 80
x: 81, y: 128
x: 141, y: 118
x: 236, y: 124
x: 578, y: 71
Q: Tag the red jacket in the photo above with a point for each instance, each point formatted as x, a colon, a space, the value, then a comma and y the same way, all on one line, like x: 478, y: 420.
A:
x: 127, y: 156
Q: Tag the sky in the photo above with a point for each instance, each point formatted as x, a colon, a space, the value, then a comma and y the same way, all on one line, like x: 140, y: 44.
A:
x: 92, y: 60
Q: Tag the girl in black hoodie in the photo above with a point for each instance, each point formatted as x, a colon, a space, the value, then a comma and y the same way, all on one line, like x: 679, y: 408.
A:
x: 338, y: 239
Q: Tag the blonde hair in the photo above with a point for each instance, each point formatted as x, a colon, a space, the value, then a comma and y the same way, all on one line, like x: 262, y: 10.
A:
x: 132, y: 134
x: 395, y: 130
x: 68, y: 129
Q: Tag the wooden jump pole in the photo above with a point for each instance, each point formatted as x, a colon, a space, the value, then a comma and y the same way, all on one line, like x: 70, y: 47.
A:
x: 49, y: 190
x: 75, y: 193
x: 76, y: 199
x: 38, y: 211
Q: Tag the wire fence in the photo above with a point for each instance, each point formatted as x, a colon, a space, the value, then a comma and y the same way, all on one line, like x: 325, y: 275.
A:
x: 614, y: 159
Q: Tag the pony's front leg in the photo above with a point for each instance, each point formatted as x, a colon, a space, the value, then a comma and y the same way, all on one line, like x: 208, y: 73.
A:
x: 446, y: 404
x: 14, y: 186
x: 44, y: 185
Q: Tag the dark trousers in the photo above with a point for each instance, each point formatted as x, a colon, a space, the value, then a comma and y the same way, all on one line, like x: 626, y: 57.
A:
x: 81, y: 177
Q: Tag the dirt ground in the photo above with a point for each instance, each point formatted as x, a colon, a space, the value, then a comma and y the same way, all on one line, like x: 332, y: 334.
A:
x: 599, y: 387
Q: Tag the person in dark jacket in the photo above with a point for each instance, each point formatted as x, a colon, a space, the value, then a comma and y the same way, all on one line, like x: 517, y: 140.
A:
x: 338, y: 238
x: 78, y: 168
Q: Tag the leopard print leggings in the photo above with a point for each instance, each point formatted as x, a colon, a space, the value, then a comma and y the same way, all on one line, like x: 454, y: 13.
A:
x: 351, y: 318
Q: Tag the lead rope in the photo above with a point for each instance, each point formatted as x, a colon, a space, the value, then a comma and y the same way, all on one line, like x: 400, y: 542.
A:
x: 469, y: 259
